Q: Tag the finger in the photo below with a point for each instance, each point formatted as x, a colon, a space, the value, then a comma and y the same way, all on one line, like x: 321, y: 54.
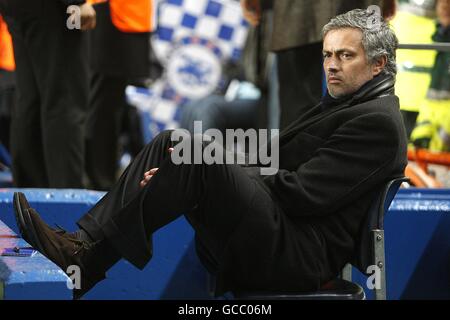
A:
x: 252, y: 18
x: 94, y: 19
x: 254, y: 22
x: 249, y: 16
x: 88, y: 23
x: 85, y: 26
x: 170, y: 150
x: 146, y: 173
x: 150, y: 173
x: 94, y: 23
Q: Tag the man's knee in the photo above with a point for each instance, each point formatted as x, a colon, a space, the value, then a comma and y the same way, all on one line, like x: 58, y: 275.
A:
x: 165, y: 134
x: 164, y: 137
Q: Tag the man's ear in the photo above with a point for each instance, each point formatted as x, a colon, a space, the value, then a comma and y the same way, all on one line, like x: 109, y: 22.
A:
x: 379, y: 65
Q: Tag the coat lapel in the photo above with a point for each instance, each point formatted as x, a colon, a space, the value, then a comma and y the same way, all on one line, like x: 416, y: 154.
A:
x: 380, y: 87
x: 304, y: 122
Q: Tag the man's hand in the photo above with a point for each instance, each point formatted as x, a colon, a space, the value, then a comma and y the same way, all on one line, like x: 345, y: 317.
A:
x: 150, y: 173
x: 147, y: 176
x: 252, y: 11
x: 88, y: 17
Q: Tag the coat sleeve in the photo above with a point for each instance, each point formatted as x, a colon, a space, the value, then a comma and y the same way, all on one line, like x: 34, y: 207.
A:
x: 351, y: 162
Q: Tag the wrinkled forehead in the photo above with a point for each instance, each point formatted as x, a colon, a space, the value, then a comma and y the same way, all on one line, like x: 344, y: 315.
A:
x: 344, y: 38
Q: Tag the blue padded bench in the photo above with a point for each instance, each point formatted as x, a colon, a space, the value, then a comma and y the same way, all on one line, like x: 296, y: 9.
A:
x: 33, y: 277
x: 173, y: 273
x: 416, y: 231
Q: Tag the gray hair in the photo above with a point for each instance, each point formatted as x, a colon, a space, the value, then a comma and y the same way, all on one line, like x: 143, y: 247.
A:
x: 378, y: 38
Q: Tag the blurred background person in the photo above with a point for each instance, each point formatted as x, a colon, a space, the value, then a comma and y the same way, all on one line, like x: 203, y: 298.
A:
x: 119, y: 56
x: 414, y: 23
x: 233, y: 106
x: 242, y: 102
x: 432, y: 129
x: 47, y: 128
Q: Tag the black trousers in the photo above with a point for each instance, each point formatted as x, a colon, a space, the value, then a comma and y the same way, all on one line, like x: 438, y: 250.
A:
x: 118, y: 53
x: 300, y: 77
x: 7, y: 101
x: 115, y: 58
x: 47, y: 128
x: 214, y: 199
x: 245, y: 238
x: 105, y: 117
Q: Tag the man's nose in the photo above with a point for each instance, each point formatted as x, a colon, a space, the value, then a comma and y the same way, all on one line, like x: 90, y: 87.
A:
x: 332, y: 68
x: 332, y: 65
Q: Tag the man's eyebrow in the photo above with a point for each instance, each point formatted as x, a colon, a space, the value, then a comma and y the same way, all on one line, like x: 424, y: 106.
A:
x: 339, y: 51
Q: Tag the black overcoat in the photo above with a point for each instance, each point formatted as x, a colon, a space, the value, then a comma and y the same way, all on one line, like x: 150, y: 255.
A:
x: 332, y: 162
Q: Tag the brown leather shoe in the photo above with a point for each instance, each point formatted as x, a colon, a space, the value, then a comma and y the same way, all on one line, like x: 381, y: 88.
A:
x: 63, y: 249
x: 21, y: 204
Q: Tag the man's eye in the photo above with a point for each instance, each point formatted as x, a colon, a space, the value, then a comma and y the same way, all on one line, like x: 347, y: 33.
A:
x: 346, y: 55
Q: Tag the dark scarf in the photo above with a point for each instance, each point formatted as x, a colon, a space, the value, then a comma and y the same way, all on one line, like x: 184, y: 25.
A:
x: 381, y: 85
x: 329, y: 102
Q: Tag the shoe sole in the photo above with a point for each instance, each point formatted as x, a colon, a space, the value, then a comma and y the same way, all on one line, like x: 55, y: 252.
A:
x: 18, y: 214
x: 25, y: 223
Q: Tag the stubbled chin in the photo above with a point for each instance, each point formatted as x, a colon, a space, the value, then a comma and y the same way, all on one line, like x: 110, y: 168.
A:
x: 335, y: 94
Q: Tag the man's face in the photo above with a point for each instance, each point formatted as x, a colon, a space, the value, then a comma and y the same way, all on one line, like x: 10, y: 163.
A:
x: 345, y: 63
x: 443, y: 12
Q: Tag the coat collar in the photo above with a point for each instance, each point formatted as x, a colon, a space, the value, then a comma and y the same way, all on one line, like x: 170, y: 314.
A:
x: 380, y: 86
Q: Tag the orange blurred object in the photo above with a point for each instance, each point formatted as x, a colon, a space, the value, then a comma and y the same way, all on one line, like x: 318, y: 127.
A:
x: 132, y: 15
x: 6, y: 48
x: 424, y: 157
x: 417, y: 169
x: 420, y: 178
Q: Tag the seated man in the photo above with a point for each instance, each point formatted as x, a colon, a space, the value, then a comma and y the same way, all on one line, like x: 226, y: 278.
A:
x: 290, y: 231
